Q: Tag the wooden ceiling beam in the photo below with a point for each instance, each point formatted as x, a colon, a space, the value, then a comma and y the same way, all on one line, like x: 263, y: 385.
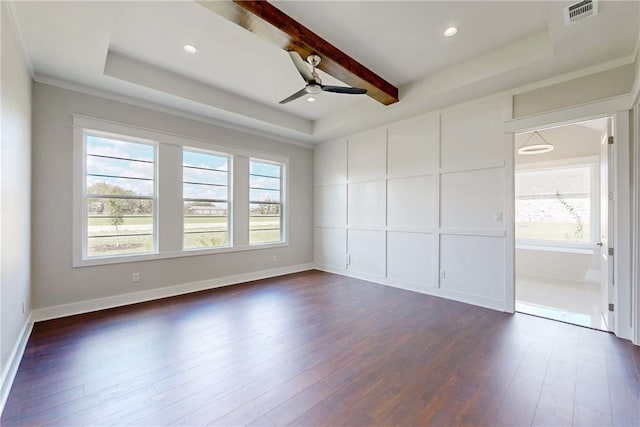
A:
x: 270, y: 23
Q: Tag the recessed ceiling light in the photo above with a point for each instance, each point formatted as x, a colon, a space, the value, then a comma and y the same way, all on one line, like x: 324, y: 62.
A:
x: 311, y: 99
x: 450, y: 32
x: 190, y: 48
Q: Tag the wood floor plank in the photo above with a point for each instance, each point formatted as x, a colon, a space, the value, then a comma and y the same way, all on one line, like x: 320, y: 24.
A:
x: 256, y: 408
x: 285, y: 413
x: 263, y: 421
x: 320, y: 349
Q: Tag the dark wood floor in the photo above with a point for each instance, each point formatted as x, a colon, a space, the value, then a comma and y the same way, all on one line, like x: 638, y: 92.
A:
x: 319, y: 349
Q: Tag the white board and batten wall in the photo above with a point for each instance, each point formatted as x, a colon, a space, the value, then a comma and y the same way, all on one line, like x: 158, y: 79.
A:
x: 419, y: 204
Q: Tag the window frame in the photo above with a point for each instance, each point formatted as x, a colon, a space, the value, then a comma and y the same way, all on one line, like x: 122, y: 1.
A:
x: 229, y: 200
x: 593, y: 163
x: 282, y: 203
x: 85, y: 195
x: 168, y: 192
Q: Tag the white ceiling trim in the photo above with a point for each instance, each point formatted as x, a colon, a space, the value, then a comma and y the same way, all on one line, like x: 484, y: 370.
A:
x: 521, y: 53
x: 81, y: 122
x: 137, y: 102
x: 134, y: 71
x: 8, y: 9
x: 156, y: 74
x: 636, y: 85
x: 439, y: 90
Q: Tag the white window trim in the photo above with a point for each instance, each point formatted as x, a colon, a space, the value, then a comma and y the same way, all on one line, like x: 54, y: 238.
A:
x: 556, y: 246
x: 593, y: 162
x: 80, y: 123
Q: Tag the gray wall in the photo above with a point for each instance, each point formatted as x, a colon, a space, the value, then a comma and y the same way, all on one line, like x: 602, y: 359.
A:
x: 15, y: 192
x: 55, y: 282
x: 606, y: 84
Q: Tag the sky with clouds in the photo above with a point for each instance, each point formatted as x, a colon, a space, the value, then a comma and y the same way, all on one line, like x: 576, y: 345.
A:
x: 130, y: 165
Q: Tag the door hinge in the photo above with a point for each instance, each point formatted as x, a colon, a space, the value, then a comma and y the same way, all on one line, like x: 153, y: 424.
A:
x: 611, y: 251
x: 611, y: 195
x: 611, y: 307
x: 610, y: 140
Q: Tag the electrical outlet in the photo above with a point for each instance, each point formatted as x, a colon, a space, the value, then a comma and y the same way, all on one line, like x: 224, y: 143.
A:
x: 136, y: 277
x: 443, y: 274
x: 498, y: 216
x: 274, y: 258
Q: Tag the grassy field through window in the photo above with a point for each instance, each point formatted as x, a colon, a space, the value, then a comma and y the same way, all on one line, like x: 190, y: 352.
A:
x: 133, y: 234
x: 264, y: 229
x: 129, y: 234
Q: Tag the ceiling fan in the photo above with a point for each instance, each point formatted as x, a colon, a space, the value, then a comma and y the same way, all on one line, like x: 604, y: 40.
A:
x: 311, y: 78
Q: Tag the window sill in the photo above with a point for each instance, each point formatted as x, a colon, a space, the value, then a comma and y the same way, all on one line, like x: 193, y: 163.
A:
x: 587, y: 248
x: 88, y: 262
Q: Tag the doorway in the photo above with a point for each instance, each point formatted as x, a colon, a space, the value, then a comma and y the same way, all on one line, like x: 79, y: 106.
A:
x: 562, y: 223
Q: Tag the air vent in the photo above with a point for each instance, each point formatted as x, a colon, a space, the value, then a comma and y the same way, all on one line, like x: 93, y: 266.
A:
x: 579, y: 11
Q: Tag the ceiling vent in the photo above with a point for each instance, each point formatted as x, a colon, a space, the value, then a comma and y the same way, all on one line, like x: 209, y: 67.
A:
x: 579, y: 11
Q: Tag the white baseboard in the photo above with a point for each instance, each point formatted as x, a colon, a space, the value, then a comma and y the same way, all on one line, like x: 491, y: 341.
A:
x: 10, y: 370
x: 58, y: 311
x: 472, y: 299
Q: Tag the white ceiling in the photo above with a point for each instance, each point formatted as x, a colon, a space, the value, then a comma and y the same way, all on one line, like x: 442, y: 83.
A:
x: 134, y: 49
x: 402, y: 40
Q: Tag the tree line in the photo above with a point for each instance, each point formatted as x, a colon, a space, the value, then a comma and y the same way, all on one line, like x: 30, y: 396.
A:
x: 116, y: 209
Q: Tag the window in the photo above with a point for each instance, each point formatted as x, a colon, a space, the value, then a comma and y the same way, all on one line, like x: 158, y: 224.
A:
x: 141, y: 194
x: 555, y: 204
x: 265, y: 202
x: 119, y: 196
x: 205, y: 190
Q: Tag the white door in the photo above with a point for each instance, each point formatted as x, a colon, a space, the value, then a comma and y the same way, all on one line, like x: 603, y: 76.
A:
x: 606, y: 227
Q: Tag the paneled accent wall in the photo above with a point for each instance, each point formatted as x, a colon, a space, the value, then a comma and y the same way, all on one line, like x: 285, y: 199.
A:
x: 418, y: 204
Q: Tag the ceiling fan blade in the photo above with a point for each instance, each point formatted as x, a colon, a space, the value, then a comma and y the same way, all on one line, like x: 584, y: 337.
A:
x: 301, y: 66
x: 296, y: 95
x: 344, y: 89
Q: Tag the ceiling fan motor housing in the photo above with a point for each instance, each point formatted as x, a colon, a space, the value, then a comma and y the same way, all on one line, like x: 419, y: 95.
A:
x: 313, y: 88
x: 313, y: 84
